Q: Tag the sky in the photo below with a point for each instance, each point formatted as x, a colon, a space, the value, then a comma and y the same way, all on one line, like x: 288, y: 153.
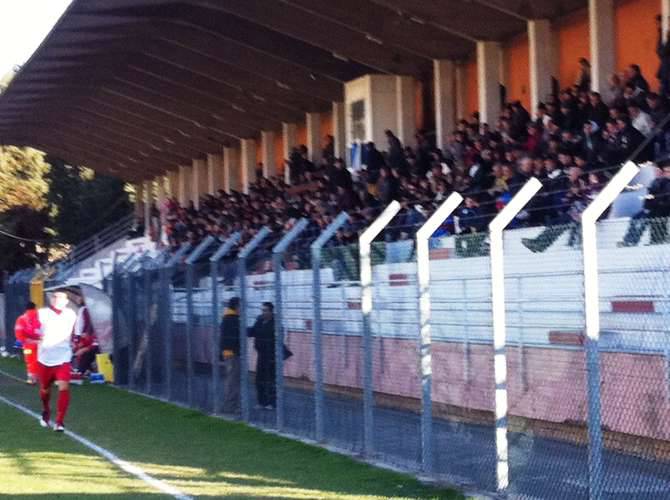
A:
x: 23, y: 26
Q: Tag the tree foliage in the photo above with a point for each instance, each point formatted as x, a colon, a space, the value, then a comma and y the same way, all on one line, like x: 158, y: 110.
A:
x: 23, y: 178
x: 81, y: 202
x: 46, y: 204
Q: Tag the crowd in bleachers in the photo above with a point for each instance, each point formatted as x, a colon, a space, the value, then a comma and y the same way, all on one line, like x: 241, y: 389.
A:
x: 574, y: 142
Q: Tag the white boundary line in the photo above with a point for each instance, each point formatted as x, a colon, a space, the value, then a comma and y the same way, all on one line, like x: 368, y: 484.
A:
x: 106, y: 454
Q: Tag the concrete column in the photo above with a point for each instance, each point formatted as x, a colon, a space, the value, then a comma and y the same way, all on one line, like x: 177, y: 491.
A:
x: 268, y: 156
x: 601, y: 28
x: 199, y: 184
x: 289, y: 139
x: 488, y: 80
x: 184, y: 187
x: 406, y: 127
x: 169, y: 183
x: 339, y: 130
x: 139, y: 200
x: 160, y: 191
x: 445, y: 105
x: 214, y: 173
x: 160, y: 202
x: 148, y: 201
x: 461, y: 93
x: 247, y: 163
x: 231, y: 170
x: 541, y: 61
x: 313, y: 125
x: 173, y: 176
x: 665, y: 15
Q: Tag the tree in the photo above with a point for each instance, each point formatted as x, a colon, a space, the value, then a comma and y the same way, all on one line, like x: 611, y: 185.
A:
x: 81, y: 202
x: 46, y: 204
x: 24, y: 220
x: 23, y: 180
x: 23, y: 237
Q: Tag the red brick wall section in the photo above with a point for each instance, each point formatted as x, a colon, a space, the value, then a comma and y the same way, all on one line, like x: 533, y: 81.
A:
x: 634, y: 388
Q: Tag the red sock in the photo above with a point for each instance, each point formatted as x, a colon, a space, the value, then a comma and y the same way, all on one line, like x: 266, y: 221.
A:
x: 45, y: 396
x: 63, y: 402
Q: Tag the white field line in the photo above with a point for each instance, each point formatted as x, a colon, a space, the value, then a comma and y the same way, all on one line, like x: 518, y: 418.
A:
x: 106, y: 454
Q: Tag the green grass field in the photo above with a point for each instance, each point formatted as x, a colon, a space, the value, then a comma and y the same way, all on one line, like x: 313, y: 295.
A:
x: 202, y: 456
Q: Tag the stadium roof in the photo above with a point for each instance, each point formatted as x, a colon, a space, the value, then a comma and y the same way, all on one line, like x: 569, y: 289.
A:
x: 133, y: 88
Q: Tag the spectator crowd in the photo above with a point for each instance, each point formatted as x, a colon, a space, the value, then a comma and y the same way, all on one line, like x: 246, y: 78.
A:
x: 573, y: 143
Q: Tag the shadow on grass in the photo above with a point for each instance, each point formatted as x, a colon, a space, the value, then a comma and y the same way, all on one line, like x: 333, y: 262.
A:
x: 208, y: 457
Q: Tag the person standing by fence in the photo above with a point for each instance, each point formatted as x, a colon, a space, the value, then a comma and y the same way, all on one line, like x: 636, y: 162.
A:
x: 263, y: 333
x: 230, y: 356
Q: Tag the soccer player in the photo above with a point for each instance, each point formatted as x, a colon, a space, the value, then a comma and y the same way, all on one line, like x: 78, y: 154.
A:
x: 26, y: 331
x: 54, y: 355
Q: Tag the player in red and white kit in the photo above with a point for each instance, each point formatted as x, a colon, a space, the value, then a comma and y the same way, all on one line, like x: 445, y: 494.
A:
x: 27, y: 331
x: 54, y: 355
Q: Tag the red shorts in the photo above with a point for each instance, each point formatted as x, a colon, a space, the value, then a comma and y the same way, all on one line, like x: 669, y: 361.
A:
x: 30, y: 357
x: 50, y: 374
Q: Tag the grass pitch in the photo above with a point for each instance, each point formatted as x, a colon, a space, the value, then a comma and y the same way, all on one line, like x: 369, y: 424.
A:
x: 202, y: 456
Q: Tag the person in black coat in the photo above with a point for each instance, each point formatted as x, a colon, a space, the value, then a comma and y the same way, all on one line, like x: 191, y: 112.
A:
x: 374, y: 161
x: 263, y: 333
x: 230, y: 356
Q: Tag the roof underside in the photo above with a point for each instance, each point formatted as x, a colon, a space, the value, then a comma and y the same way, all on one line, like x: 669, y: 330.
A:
x: 133, y: 88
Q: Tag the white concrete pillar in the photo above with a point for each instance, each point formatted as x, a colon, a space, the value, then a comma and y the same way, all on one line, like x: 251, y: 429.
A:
x: 541, y: 61
x: 289, y: 137
x: 313, y: 126
x: 169, y: 185
x: 160, y: 190
x: 268, y: 156
x: 184, y: 187
x: 339, y: 131
x: 148, y: 192
x: 488, y: 80
x: 665, y: 16
x: 139, y: 200
x: 173, y: 182
x: 461, y: 93
x: 601, y: 29
x: 199, y: 183
x: 231, y: 170
x: 160, y: 201
x: 247, y: 163
x: 406, y: 127
x: 445, y: 105
x: 214, y: 173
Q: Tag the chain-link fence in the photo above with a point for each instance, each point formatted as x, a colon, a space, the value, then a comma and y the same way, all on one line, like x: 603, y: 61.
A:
x: 17, y: 296
x: 633, y: 349
x: 311, y: 360
x: 462, y: 369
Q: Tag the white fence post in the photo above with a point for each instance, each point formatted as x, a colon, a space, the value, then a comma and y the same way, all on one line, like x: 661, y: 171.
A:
x: 365, y: 245
x: 423, y: 275
x: 592, y: 319
x: 496, y: 228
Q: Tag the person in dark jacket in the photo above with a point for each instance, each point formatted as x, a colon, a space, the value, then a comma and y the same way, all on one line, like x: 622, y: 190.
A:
x: 230, y: 355
x: 263, y: 333
x: 374, y: 161
x: 396, y: 155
